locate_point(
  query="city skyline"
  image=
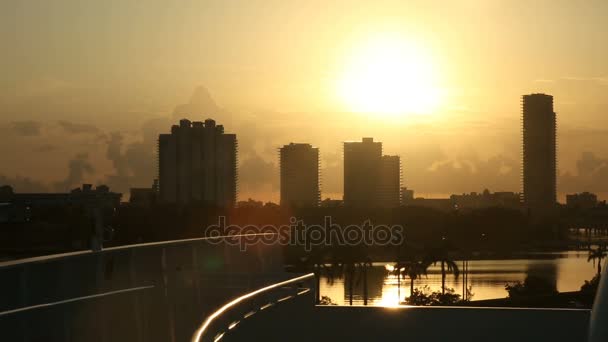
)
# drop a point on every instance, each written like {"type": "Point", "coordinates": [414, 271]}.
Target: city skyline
{"type": "Point", "coordinates": [206, 170]}
{"type": "Point", "coordinates": [92, 114]}
{"type": "Point", "coordinates": [132, 160]}
{"type": "Point", "coordinates": [538, 129]}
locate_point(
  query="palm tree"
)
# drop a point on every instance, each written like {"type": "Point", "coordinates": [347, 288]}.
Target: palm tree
{"type": "Point", "coordinates": [413, 269]}
{"type": "Point", "coordinates": [347, 259]}
{"type": "Point", "coordinates": [447, 265]}
{"type": "Point", "coordinates": [597, 254]}
{"type": "Point", "coordinates": [349, 271]}
{"type": "Point", "coordinates": [363, 267]}
{"type": "Point", "coordinates": [317, 261]}
{"type": "Point", "coordinates": [314, 262]}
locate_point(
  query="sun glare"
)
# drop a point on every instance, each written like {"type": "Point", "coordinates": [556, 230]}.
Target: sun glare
{"type": "Point", "coordinates": [390, 77]}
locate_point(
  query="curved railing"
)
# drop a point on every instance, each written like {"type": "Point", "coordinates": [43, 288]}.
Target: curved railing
{"type": "Point", "coordinates": [161, 244]}
{"type": "Point", "coordinates": [131, 292]}
{"type": "Point", "coordinates": [227, 318]}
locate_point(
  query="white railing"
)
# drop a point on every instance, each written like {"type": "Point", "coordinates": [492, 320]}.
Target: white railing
{"type": "Point", "coordinates": [230, 315]}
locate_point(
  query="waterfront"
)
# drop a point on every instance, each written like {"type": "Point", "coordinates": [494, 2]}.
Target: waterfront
{"type": "Point", "coordinates": [487, 278]}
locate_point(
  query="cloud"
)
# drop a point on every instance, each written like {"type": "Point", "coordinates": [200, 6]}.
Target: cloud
{"type": "Point", "coordinates": [200, 107]}
{"type": "Point", "coordinates": [27, 128]}
{"type": "Point", "coordinates": [591, 175]}
{"type": "Point", "coordinates": [78, 168]}
{"type": "Point", "coordinates": [23, 184]}
{"type": "Point", "coordinates": [596, 79]}
{"type": "Point", "coordinates": [431, 170]}
{"type": "Point", "coordinates": [134, 163]}
{"type": "Point", "coordinates": [76, 128]}
{"type": "Point", "coordinates": [115, 155]}
{"type": "Point", "coordinates": [121, 179]}
{"type": "Point", "coordinates": [255, 173]}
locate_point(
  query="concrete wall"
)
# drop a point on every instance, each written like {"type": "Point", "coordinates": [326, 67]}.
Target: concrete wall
{"type": "Point", "coordinates": [300, 322]}
{"type": "Point", "coordinates": [150, 292]}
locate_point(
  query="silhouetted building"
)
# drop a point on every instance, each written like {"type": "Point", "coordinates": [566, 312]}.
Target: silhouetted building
{"type": "Point", "coordinates": [144, 197]}
{"type": "Point", "coordinates": [250, 203]}
{"type": "Point", "coordinates": [6, 193]}
{"type": "Point", "coordinates": [362, 167]}
{"type": "Point", "coordinates": [299, 164]}
{"type": "Point", "coordinates": [539, 152]}
{"type": "Point", "coordinates": [486, 199]}
{"type": "Point", "coordinates": [442, 204]}
{"type": "Point", "coordinates": [198, 164]}
{"type": "Point", "coordinates": [407, 196]}
{"type": "Point", "coordinates": [584, 200]}
{"type": "Point", "coordinates": [389, 185]}
{"type": "Point", "coordinates": [94, 202]}
{"type": "Point", "coordinates": [331, 203]}
{"type": "Point", "coordinates": [85, 196]}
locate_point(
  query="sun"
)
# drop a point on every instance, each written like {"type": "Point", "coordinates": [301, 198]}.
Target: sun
{"type": "Point", "coordinates": [389, 76]}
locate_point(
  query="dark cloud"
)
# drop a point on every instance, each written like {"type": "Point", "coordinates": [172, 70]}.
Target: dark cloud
{"type": "Point", "coordinates": [121, 178]}
{"type": "Point", "coordinates": [591, 175]}
{"type": "Point", "coordinates": [23, 184]}
{"type": "Point", "coordinates": [76, 128]}
{"type": "Point", "coordinates": [27, 128]}
{"type": "Point", "coordinates": [78, 168]}
{"type": "Point", "coordinates": [115, 155]}
{"type": "Point", "coordinates": [457, 174]}
{"type": "Point", "coordinates": [255, 173]}
{"type": "Point", "coordinates": [135, 163]}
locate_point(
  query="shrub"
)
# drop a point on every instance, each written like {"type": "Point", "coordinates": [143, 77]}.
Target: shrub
{"type": "Point", "coordinates": [426, 297]}
{"type": "Point", "coordinates": [590, 286]}
{"type": "Point", "coordinates": [532, 286]}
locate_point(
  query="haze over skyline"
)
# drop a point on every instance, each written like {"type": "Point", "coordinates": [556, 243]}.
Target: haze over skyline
{"type": "Point", "coordinates": [90, 85]}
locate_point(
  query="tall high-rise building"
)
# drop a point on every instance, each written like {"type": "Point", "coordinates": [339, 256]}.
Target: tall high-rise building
{"type": "Point", "coordinates": [197, 163]}
{"type": "Point", "coordinates": [370, 179]}
{"type": "Point", "coordinates": [539, 152]}
{"type": "Point", "coordinates": [299, 175]}
{"type": "Point", "coordinates": [389, 187]}
{"type": "Point", "coordinates": [362, 161]}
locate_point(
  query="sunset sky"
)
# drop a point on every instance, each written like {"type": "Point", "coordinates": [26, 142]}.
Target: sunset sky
{"type": "Point", "coordinates": [88, 85]}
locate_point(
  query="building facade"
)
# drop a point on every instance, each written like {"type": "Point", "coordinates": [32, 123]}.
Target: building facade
{"type": "Point", "coordinates": [539, 152]}
{"type": "Point", "coordinates": [389, 187]}
{"type": "Point", "coordinates": [362, 162]}
{"type": "Point", "coordinates": [370, 179]}
{"type": "Point", "coordinates": [299, 175]}
{"type": "Point", "coordinates": [197, 163]}
{"type": "Point", "coordinates": [487, 199]}
{"type": "Point", "coordinates": [407, 196]}
{"type": "Point", "coordinates": [583, 200]}
{"type": "Point", "coordinates": [96, 203]}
